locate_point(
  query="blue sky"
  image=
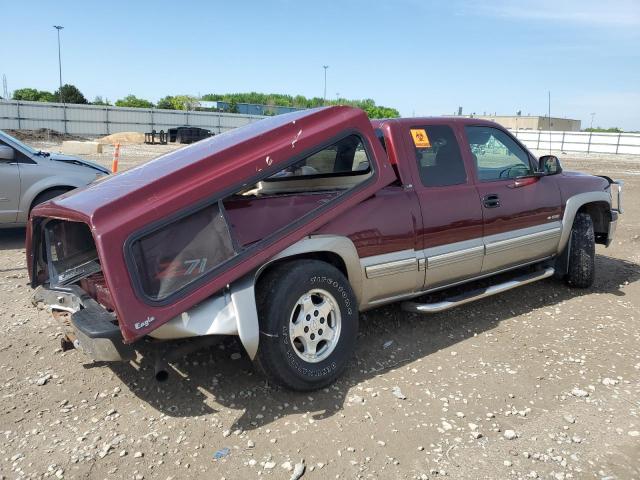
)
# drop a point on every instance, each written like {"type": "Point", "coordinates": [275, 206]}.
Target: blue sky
{"type": "Point", "coordinates": [422, 57]}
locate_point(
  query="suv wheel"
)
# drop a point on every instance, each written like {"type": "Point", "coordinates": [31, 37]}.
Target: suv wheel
{"type": "Point", "coordinates": [582, 253]}
{"type": "Point", "coordinates": [48, 195]}
{"type": "Point", "coordinates": [308, 324]}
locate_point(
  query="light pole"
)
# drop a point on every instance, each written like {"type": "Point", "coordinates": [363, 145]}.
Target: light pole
{"type": "Point", "coordinates": [58, 28]}
{"type": "Point", "coordinates": [324, 97]}
{"type": "Point", "coordinates": [593, 114]}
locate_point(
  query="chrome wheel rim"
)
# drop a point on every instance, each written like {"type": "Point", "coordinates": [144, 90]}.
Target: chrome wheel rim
{"type": "Point", "coordinates": [314, 325]}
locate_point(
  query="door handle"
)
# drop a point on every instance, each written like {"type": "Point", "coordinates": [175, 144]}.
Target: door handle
{"type": "Point", "coordinates": [491, 200]}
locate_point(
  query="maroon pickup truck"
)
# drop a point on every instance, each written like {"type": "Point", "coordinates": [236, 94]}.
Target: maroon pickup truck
{"type": "Point", "coordinates": [282, 231]}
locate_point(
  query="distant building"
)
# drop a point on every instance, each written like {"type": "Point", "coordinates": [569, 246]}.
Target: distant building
{"type": "Point", "coordinates": [520, 122]}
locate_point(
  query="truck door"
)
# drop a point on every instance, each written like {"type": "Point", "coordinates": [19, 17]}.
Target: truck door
{"type": "Point", "coordinates": [451, 235]}
{"type": "Point", "coordinates": [522, 213]}
{"type": "Point", "coordinates": [9, 186]}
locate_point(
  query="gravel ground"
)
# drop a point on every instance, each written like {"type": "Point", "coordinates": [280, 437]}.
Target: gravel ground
{"type": "Point", "coordinates": [539, 382]}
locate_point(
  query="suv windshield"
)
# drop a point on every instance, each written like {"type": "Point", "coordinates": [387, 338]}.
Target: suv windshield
{"type": "Point", "coordinates": [4, 138]}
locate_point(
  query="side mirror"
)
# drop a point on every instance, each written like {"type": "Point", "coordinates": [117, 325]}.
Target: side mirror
{"type": "Point", "coordinates": [549, 164]}
{"type": "Point", "coordinates": [6, 153]}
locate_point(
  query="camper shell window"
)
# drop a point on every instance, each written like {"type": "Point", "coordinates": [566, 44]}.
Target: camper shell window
{"type": "Point", "coordinates": [169, 258]}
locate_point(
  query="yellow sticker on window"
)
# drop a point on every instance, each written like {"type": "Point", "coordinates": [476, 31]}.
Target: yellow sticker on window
{"type": "Point", "coordinates": [420, 138]}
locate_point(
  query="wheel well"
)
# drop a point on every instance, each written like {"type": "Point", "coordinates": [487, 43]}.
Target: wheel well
{"type": "Point", "coordinates": [62, 188]}
{"type": "Point", "coordinates": [600, 213]}
{"type": "Point", "coordinates": [329, 257]}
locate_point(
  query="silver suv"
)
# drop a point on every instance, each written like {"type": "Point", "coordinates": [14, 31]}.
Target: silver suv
{"type": "Point", "coordinates": [29, 177]}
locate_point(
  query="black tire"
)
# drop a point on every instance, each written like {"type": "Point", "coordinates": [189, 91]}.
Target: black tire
{"type": "Point", "coordinates": [582, 254]}
{"type": "Point", "coordinates": [47, 195]}
{"type": "Point", "coordinates": [278, 294]}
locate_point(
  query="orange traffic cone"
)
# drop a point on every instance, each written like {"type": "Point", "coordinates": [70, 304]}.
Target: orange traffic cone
{"type": "Point", "coordinates": [116, 157]}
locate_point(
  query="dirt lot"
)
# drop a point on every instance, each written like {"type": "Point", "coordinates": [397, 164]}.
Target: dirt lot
{"type": "Point", "coordinates": [540, 382]}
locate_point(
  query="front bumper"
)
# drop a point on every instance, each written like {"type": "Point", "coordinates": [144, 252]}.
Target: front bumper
{"type": "Point", "coordinates": [615, 212]}
{"type": "Point", "coordinates": [612, 227]}
{"type": "Point", "coordinates": [91, 327]}
{"type": "Point", "coordinates": [620, 185]}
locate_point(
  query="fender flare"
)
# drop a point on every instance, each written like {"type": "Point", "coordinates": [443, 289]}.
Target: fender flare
{"type": "Point", "coordinates": [571, 209]}
{"type": "Point", "coordinates": [243, 290]}
{"type": "Point", "coordinates": [339, 245]}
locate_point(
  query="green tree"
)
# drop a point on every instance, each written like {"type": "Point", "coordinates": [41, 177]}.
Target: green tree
{"type": "Point", "coordinates": [33, 95]}
{"type": "Point", "coordinates": [47, 96]}
{"type": "Point", "coordinates": [70, 94]}
{"type": "Point", "coordinates": [133, 101]}
{"type": "Point", "coordinates": [178, 102]}
{"type": "Point", "coordinates": [99, 101]}
{"type": "Point", "coordinates": [604, 130]}
{"type": "Point", "coordinates": [27, 94]}
{"type": "Point", "coordinates": [300, 101]}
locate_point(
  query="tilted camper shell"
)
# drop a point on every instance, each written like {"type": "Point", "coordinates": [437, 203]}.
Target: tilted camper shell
{"type": "Point", "coordinates": [177, 239]}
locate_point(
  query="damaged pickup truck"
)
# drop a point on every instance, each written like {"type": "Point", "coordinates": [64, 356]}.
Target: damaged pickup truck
{"type": "Point", "coordinates": [282, 231]}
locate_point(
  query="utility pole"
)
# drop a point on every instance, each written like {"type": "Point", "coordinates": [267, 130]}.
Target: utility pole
{"type": "Point", "coordinates": [5, 89]}
{"type": "Point", "coordinates": [324, 97]}
{"type": "Point", "coordinates": [549, 122]}
{"type": "Point", "coordinates": [593, 114]}
{"type": "Point", "coordinates": [58, 28]}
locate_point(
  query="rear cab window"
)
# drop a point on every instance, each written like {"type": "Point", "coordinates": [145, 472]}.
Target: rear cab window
{"type": "Point", "coordinates": [438, 156]}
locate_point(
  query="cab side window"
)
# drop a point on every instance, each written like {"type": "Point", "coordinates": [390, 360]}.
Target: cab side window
{"type": "Point", "coordinates": [438, 155]}
{"type": "Point", "coordinates": [497, 155]}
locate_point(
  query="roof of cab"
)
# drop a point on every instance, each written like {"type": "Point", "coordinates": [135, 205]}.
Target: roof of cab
{"type": "Point", "coordinates": [444, 120]}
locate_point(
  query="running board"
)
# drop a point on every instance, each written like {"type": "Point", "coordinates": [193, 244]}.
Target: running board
{"type": "Point", "coordinates": [476, 294]}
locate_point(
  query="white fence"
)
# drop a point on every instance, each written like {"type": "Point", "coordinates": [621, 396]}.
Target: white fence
{"type": "Point", "coordinates": [587, 142]}
{"type": "Point", "coordinates": [97, 120]}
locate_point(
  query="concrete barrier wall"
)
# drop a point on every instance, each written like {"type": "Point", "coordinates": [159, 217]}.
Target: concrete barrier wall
{"type": "Point", "coordinates": [97, 120]}
{"type": "Point", "coordinates": [587, 142]}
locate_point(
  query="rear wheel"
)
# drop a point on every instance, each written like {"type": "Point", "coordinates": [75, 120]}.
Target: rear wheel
{"type": "Point", "coordinates": [582, 253]}
{"type": "Point", "coordinates": [308, 323]}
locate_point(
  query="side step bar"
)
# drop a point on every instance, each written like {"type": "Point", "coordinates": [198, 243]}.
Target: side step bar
{"type": "Point", "coordinates": [476, 294]}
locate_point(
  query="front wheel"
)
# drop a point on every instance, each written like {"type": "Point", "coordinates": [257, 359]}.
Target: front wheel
{"type": "Point", "coordinates": [308, 324]}
{"type": "Point", "coordinates": [582, 253]}
{"type": "Point", "coordinates": [47, 195]}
